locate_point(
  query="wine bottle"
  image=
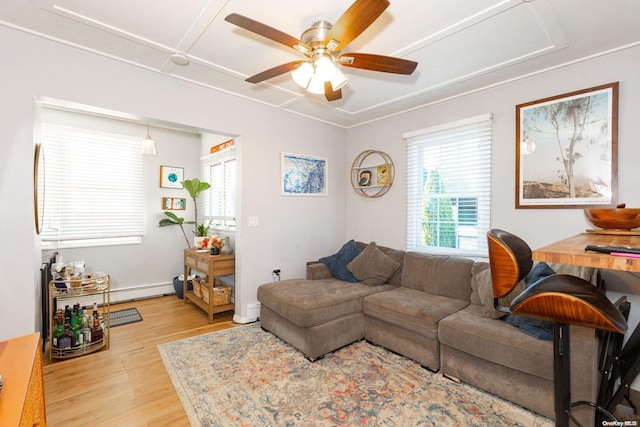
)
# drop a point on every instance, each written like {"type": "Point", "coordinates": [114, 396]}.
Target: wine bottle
{"type": "Point", "coordinates": [86, 331]}
{"type": "Point", "coordinates": [76, 327]}
{"type": "Point", "coordinates": [58, 330]}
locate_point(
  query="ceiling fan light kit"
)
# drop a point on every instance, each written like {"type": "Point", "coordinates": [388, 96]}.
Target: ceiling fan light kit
{"type": "Point", "coordinates": [322, 44]}
{"type": "Point", "coordinates": [302, 74]}
{"type": "Point", "coordinates": [312, 75]}
{"type": "Point", "coordinates": [316, 85]}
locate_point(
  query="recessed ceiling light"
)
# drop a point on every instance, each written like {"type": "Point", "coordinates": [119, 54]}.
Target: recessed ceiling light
{"type": "Point", "coordinates": [179, 58]}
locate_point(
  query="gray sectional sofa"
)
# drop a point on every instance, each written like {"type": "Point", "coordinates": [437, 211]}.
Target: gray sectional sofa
{"type": "Point", "coordinates": [436, 310]}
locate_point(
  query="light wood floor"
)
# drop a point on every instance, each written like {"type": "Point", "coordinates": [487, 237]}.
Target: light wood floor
{"type": "Point", "coordinates": [127, 384]}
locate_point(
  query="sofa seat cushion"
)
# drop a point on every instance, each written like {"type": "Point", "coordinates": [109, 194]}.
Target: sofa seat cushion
{"type": "Point", "coordinates": [309, 303]}
{"type": "Point", "coordinates": [410, 309]}
{"type": "Point", "coordinates": [496, 341]}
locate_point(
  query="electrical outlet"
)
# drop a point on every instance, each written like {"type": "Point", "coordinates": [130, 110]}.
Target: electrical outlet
{"type": "Point", "coordinates": [276, 271]}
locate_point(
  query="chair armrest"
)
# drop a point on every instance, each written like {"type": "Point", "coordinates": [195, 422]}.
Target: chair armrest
{"type": "Point", "coordinates": [317, 270]}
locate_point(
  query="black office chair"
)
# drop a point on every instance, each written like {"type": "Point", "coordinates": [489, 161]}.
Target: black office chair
{"type": "Point", "coordinates": [562, 299]}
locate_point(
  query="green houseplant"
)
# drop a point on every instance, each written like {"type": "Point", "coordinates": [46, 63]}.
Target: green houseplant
{"type": "Point", "coordinates": [202, 230]}
{"type": "Point", "coordinates": [173, 219]}
{"type": "Point", "coordinates": [194, 187]}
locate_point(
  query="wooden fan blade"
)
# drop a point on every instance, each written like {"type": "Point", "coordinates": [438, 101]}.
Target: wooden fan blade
{"type": "Point", "coordinates": [330, 94]}
{"type": "Point", "coordinates": [353, 22]}
{"type": "Point", "coordinates": [274, 72]}
{"type": "Point", "coordinates": [266, 31]}
{"type": "Point", "coordinates": [386, 64]}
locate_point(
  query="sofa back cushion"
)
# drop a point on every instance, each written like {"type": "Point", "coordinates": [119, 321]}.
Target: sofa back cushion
{"type": "Point", "coordinates": [447, 276]}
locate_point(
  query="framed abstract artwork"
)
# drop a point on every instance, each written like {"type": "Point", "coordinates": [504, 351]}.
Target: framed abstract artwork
{"type": "Point", "coordinates": [171, 177]}
{"type": "Point", "coordinates": [567, 150]}
{"type": "Point", "coordinates": [303, 175]}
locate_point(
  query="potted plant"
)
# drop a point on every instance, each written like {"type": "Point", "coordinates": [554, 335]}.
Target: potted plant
{"type": "Point", "coordinates": [201, 232]}
{"type": "Point", "coordinates": [194, 187]}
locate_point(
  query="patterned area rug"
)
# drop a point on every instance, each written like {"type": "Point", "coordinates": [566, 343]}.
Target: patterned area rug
{"type": "Point", "coordinates": [124, 317]}
{"type": "Point", "coordinates": [247, 377]}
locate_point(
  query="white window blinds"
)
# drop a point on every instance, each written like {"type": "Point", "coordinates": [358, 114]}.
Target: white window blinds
{"type": "Point", "coordinates": [449, 187]}
{"type": "Point", "coordinates": [219, 202]}
{"type": "Point", "coordinates": [94, 192]}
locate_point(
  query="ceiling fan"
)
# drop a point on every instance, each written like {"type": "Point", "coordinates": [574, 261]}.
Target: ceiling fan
{"type": "Point", "coordinates": [322, 45]}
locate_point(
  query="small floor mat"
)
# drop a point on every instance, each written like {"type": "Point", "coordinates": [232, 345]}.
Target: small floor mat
{"type": "Point", "coordinates": [124, 317]}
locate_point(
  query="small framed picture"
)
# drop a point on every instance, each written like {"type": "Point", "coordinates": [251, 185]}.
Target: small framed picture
{"type": "Point", "coordinates": [365, 178]}
{"type": "Point", "coordinates": [174, 203]}
{"type": "Point", "coordinates": [171, 177]}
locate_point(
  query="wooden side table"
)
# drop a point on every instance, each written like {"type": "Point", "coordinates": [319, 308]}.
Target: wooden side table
{"type": "Point", "coordinates": [22, 397]}
{"type": "Point", "coordinates": [212, 266]}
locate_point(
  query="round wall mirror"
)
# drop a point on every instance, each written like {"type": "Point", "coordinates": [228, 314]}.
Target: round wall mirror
{"type": "Point", "coordinates": [38, 187]}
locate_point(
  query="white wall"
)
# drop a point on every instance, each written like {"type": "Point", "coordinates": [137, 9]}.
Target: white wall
{"type": "Point", "coordinates": [290, 232]}
{"type": "Point", "coordinates": [383, 219]}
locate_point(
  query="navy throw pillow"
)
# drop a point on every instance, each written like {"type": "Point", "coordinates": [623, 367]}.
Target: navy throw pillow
{"type": "Point", "coordinates": [541, 329]}
{"type": "Point", "coordinates": [541, 270]}
{"type": "Point", "coordinates": [337, 263]}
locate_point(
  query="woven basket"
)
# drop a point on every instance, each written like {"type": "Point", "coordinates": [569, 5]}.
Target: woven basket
{"type": "Point", "coordinates": [221, 295]}
{"type": "Point", "coordinates": [197, 287]}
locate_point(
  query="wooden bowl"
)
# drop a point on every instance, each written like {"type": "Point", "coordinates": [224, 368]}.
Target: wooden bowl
{"type": "Point", "coordinates": [614, 218]}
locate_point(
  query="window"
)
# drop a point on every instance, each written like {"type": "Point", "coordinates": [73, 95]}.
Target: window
{"type": "Point", "coordinates": [219, 202]}
{"type": "Point", "coordinates": [94, 193]}
{"type": "Point", "coordinates": [448, 187]}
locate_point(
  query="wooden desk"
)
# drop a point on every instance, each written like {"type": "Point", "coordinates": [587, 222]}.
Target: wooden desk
{"type": "Point", "coordinates": [22, 397]}
{"type": "Point", "coordinates": [212, 266]}
{"type": "Point", "coordinates": [571, 251]}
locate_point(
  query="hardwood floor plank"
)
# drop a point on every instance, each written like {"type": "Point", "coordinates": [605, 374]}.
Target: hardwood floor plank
{"type": "Point", "coordinates": [127, 384]}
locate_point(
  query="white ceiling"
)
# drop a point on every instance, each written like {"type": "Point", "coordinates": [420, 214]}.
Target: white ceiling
{"type": "Point", "coordinates": [460, 45]}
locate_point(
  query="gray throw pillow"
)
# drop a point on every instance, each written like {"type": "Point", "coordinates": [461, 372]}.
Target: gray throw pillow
{"type": "Point", "coordinates": [485, 291]}
{"type": "Point", "coordinates": [373, 267]}
{"type": "Point", "coordinates": [482, 282]}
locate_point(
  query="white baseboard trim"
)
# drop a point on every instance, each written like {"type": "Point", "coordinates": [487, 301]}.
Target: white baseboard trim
{"type": "Point", "coordinates": [141, 292]}
{"type": "Point", "coordinates": [125, 294]}
{"type": "Point", "coordinates": [253, 314]}
{"type": "Point", "coordinates": [243, 319]}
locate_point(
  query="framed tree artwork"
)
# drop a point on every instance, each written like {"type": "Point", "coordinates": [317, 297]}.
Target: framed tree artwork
{"type": "Point", "coordinates": [567, 150]}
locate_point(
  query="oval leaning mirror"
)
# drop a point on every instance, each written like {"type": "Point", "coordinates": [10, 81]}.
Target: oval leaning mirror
{"type": "Point", "coordinates": [38, 187]}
